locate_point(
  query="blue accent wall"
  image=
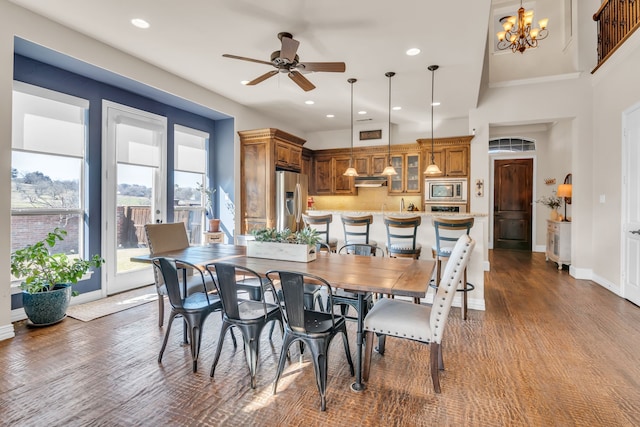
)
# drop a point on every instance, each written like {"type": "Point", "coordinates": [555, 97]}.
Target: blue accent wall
{"type": "Point", "coordinates": [221, 162]}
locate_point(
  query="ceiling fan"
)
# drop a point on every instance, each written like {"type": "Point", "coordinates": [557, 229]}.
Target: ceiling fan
{"type": "Point", "coordinates": [287, 61]}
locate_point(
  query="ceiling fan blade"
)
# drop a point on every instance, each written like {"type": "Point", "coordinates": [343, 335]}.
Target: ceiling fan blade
{"type": "Point", "coordinates": [301, 81]}
{"type": "Point", "coordinates": [262, 78]}
{"type": "Point", "coordinates": [333, 67]}
{"type": "Point", "coordinates": [289, 48]}
{"type": "Point", "coordinates": [242, 58]}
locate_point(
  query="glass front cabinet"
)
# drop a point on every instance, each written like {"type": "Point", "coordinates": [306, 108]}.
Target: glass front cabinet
{"type": "Point", "coordinates": [409, 171]}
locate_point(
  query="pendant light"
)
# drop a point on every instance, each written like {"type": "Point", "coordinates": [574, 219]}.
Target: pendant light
{"type": "Point", "coordinates": [389, 170]}
{"type": "Point", "coordinates": [351, 171]}
{"type": "Point", "coordinates": [432, 169]}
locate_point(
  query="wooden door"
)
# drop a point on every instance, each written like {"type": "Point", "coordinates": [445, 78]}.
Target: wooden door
{"type": "Point", "coordinates": [513, 197]}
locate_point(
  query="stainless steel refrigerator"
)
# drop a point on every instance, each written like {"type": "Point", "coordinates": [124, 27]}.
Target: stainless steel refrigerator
{"type": "Point", "coordinates": [292, 189]}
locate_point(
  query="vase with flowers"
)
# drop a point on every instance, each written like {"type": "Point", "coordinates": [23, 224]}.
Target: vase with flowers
{"type": "Point", "coordinates": [553, 202]}
{"type": "Point", "coordinates": [207, 193]}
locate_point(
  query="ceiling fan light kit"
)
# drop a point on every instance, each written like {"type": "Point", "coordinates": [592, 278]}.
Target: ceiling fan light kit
{"type": "Point", "coordinates": [518, 34]}
{"type": "Point", "coordinates": [389, 170]}
{"type": "Point", "coordinates": [351, 171]}
{"type": "Point", "coordinates": [432, 169]}
{"type": "Point", "coordinates": [287, 61]}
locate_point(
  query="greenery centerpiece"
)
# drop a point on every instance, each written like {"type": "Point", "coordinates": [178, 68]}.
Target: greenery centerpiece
{"type": "Point", "coordinates": [47, 277]}
{"type": "Point", "coordinates": [284, 245]}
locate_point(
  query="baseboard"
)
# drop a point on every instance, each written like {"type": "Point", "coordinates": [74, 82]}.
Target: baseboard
{"type": "Point", "coordinates": [540, 248]}
{"type": "Point", "coordinates": [7, 332]}
{"type": "Point", "coordinates": [613, 287]}
{"type": "Point", "coordinates": [581, 273]}
{"type": "Point", "coordinates": [18, 314]}
{"type": "Point", "coordinates": [486, 265]}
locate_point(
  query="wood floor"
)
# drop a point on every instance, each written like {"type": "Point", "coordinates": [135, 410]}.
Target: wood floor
{"type": "Point", "coordinates": [548, 350]}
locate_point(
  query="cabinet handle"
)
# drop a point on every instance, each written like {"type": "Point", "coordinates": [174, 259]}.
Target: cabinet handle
{"type": "Point", "coordinates": [635, 232]}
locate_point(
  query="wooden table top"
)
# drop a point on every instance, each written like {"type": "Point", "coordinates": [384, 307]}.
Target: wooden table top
{"type": "Point", "coordinates": [397, 276]}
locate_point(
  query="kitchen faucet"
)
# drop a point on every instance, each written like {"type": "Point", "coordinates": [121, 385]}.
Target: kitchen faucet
{"type": "Point", "coordinates": [401, 204]}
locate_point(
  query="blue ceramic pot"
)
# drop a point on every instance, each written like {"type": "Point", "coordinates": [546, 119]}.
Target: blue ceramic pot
{"type": "Point", "coordinates": [46, 308]}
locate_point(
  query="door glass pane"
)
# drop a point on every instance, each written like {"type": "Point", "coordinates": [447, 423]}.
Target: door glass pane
{"type": "Point", "coordinates": [188, 204]}
{"type": "Point", "coordinates": [133, 211]}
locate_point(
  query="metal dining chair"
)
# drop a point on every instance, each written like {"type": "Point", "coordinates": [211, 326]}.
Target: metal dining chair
{"type": "Point", "coordinates": [248, 315]}
{"type": "Point", "coordinates": [193, 308]}
{"type": "Point", "coordinates": [401, 236]}
{"type": "Point", "coordinates": [315, 329]}
{"type": "Point", "coordinates": [417, 322]}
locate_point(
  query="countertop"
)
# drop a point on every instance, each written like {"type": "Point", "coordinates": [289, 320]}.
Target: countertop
{"type": "Point", "coordinates": [397, 213]}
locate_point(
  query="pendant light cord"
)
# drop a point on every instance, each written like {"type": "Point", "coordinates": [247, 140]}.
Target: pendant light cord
{"type": "Point", "coordinates": [432, 68]}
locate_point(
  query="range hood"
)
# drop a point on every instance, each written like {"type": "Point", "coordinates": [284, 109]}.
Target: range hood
{"type": "Point", "coordinates": [370, 181]}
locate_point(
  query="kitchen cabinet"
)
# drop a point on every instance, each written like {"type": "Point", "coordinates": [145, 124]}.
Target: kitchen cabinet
{"type": "Point", "coordinates": [328, 176]}
{"type": "Point", "coordinates": [378, 163]}
{"type": "Point", "coordinates": [262, 152]}
{"type": "Point", "coordinates": [361, 164]}
{"type": "Point", "coordinates": [558, 242]}
{"type": "Point", "coordinates": [288, 156]}
{"type": "Point", "coordinates": [450, 154]}
{"type": "Point", "coordinates": [322, 175]}
{"type": "Point", "coordinates": [409, 177]}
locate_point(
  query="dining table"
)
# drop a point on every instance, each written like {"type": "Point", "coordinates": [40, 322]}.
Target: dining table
{"type": "Point", "coordinates": [358, 274]}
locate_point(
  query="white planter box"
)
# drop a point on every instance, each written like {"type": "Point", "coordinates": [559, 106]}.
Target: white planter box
{"type": "Point", "coordinates": [281, 251]}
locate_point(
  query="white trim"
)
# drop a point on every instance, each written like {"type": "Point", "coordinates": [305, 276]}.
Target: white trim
{"type": "Point", "coordinates": [50, 94]}
{"type": "Point", "coordinates": [7, 332]}
{"type": "Point", "coordinates": [536, 80]}
{"type": "Point", "coordinates": [607, 285]}
{"type": "Point", "coordinates": [191, 131]}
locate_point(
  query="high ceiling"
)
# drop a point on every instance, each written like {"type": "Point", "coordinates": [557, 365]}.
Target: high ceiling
{"type": "Point", "coordinates": [188, 38]}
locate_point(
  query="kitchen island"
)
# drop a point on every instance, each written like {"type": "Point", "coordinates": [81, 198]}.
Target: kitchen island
{"type": "Point", "coordinates": [478, 264]}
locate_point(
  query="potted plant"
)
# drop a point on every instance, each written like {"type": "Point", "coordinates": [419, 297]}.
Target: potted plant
{"type": "Point", "coordinates": [284, 245]}
{"type": "Point", "coordinates": [47, 278]}
{"type": "Point", "coordinates": [214, 223]}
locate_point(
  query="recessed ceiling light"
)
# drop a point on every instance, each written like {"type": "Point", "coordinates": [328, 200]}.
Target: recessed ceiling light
{"type": "Point", "coordinates": [397, 108]}
{"type": "Point", "coordinates": [140, 23]}
{"type": "Point", "coordinates": [435, 104]}
{"type": "Point", "coordinates": [413, 51]}
{"type": "Point", "coordinates": [244, 82]}
{"type": "Point", "coordinates": [330, 116]}
{"type": "Point", "coordinates": [362, 113]}
{"type": "Point", "coordinates": [309, 102]}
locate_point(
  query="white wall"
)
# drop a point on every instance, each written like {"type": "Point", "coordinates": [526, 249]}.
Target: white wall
{"type": "Point", "coordinates": [24, 24]}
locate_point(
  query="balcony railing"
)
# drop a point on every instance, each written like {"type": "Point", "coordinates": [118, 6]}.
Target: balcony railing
{"type": "Point", "coordinates": [617, 20]}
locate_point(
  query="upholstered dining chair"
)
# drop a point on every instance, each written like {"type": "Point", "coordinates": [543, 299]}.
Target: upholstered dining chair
{"type": "Point", "coordinates": [194, 308]}
{"type": "Point", "coordinates": [447, 231]}
{"type": "Point", "coordinates": [166, 237]}
{"type": "Point", "coordinates": [356, 229]}
{"type": "Point", "coordinates": [248, 315]}
{"type": "Point", "coordinates": [322, 223]}
{"type": "Point", "coordinates": [417, 322]}
{"type": "Point", "coordinates": [402, 233]}
{"type": "Point", "coordinates": [315, 329]}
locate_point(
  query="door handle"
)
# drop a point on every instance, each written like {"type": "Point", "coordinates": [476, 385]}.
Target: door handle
{"type": "Point", "coordinates": [635, 232]}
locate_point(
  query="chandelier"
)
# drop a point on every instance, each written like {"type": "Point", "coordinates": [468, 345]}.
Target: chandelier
{"type": "Point", "coordinates": [518, 33]}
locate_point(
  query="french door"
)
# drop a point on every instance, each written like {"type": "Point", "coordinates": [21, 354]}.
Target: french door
{"type": "Point", "coordinates": [133, 191]}
{"type": "Point", "coordinates": [631, 206]}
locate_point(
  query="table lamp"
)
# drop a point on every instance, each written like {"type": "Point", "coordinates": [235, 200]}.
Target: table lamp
{"type": "Point", "coordinates": [564, 191]}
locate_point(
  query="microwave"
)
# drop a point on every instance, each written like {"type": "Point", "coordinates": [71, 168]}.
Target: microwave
{"type": "Point", "coordinates": [445, 190]}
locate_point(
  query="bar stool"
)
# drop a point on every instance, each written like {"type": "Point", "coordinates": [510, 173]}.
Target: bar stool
{"type": "Point", "coordinates": [356, 229]}
{"type": "Point", "coordinates": [401, 238]}
{"type": "Point", "coordinates": [448, 230]}
{"type": "Point", "coordinates": [321, 225]}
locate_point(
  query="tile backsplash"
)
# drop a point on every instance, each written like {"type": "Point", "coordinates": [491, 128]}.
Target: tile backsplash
{"type": "Point", "coordinates": [368, 199]}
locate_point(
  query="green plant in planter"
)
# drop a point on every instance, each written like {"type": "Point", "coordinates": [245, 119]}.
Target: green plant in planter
{"type": "Point", "coordinates": [41, 270]}
{"type": "Point", "coordinates": [306, 236]}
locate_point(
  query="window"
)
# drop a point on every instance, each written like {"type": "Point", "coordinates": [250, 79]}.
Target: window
{"type": "Point", "coordinates": [47, 166]}
{"type": "Point", "coordinates": [511, 145]}
{"type": "Point", "coordinates": [190, 172]}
